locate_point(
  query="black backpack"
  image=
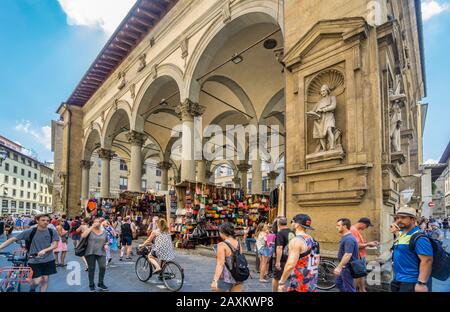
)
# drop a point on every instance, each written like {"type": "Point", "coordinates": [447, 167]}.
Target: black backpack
{"type": "Point", "coordinates": [66, 225]}
{"type": "Point", "coordinates": [441, 258]}
{"type": "Point", "coordinates": [240, 270]}
{"type": "Point", "coordinates": [29, 241]}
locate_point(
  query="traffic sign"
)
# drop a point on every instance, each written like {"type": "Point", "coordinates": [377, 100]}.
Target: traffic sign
{"type": "Point", "coordinates": [431, 204]}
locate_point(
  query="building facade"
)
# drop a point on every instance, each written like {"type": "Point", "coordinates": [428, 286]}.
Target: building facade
{"type": "Point", "coordinates": [25, 182]}
{"type": "Point", "coordinates": [356, 65]}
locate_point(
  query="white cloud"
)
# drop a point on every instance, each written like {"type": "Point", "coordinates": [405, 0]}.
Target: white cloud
{"type": "Point", "coordinates": [431, 162]}
{"type": "Point", "coordinates": [432, 8]}
{"type": "Point", "coordinates": [42, 135]}
{"type": "Point", "coordinates": [104, 14]}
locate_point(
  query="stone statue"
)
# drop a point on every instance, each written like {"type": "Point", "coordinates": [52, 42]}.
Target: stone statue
{"type": "Point", "coordinates": [395, 125]}
{"type": "Point", "coordinates": [324, 121]}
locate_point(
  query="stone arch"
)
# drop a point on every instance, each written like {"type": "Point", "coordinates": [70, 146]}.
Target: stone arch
{"type": "Point", "coordinates": [273, 102]}
{"type": "Point", "coordinates": [257, 11]}
{"type": "Point", "coordinates": [118, 118]}
{"type": "Point", "coordinates": [217, 163]}
{"type": "Point", "coordinates": [165, 73]}
{"type": "Point", "coordinates": [92, 141]}
{"type": "Point", "coordinates": [237, 90]}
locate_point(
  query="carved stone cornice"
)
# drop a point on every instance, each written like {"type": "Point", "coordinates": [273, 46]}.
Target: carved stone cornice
{"type": "Point", "coordinates": [86, 164]}
{"type": "Point", "coordinates": [189, 110]}
{"type": "Point", "coordinates": [164, 165]}
{"type": "Point", "coordinates": [136, 138]}
{"type": "Point", "coordinates": [104, 153]}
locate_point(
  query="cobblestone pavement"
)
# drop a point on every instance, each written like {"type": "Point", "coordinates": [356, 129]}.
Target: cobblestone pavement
{"type": "Point", "coordinates": [121, 277]}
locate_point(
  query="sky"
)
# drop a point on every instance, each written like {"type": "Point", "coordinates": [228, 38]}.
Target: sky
{"type": "Point", "coordinates": [46, 46]}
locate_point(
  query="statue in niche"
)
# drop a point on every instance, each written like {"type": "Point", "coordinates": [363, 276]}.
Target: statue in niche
{"type": "Point", "coordinates": [325, 131]}
{"type": "Point", "coordinates": [395, 125]}
{"type": "Point", "coordinates": [397, 98]}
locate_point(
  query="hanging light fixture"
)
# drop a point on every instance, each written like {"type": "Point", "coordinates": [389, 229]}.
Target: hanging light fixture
{"type": "Point", "coordinates": [237, 58]}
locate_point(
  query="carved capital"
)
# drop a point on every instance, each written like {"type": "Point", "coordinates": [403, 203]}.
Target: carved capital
{"type": "Point", "coordinates": [237, 180]}
{"type": "Point", "coordinates": [86, 164]}
{"type": "Point", "coordinates": [122, 81]}
{"type": "Point", "coordinates": [189, 110]}
{"type": "Point", "coordinates": [273, 175]}
{"type": "Point", "coordinates": [142, 62]}
{"type": "Point", "coordinates": [104, 153]}
{"type": "Point", "coordinates": [164, 165]}
{"type": "Point", "coordinates": [136, 138]}
{"type": "Point", "coordinates": [208, 174]}
{"type": "Point", "coordinates": [243, 167]}
{"type": "Point", "coordinates": [184, 45]}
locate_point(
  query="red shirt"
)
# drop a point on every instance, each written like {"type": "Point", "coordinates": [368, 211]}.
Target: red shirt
{"type": "Point", "coordinates": [360, 240]}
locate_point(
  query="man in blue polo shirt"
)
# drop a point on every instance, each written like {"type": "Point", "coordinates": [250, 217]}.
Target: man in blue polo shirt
{"type": "Point", "coordinates": [412, 269]}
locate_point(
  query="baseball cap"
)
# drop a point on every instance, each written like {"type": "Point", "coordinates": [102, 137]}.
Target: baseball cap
{"type": "Point", "coordinates": [407, 211]}
{"type": "Point", "coordinates": [366, 221]}
{"type": "Point", "coordinates": [303, 220]}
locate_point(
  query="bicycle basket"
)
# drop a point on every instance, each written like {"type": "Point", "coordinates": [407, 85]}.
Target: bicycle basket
{"type": "Point", "coordinates": [143, 251]}
{"type": "Point", "coordinates": [22, 275]}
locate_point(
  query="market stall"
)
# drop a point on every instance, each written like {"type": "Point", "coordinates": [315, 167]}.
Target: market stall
{"type": "Point", "coordinates": [203, 207]}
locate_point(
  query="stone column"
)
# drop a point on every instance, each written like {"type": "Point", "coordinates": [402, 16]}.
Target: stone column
{"type": "Point", "coordinates": [256, 176]}
{"type": "Point", "coordinates": [272, 179]}
{"type": "Point", "coordinates": [209, 177]}
{"type": "Point", "coordinates": [85, 167]}
{"type": "Point", "coordinates": [136, 140]}
{"type": "Point", "coordinates": [243, 169]}
{"type": "Point", "coordinates": [186, 112]}
{"type": "Point", "coordinates": [237, 182]}
{"type": "Point", "coordinates": [164, 166]}
{"type": "Point", "coordinates": [105, 155]}
{"type": "Point", "coordinates": [201, 171]}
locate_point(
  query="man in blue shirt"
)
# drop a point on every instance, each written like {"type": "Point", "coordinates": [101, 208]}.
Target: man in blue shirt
{"type": "Point", "coordinates": [412, 269]}
{"type": "Point", "coordinates": [348, 252]}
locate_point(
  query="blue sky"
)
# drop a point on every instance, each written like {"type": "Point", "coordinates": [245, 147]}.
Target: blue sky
{"type": "Point", "coordinates": [47, 45]}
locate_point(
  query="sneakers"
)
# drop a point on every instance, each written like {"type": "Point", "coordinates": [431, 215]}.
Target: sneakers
{"type": "Point", "coordinates": [120, 259]}
{"type": "Point", "coordinates": [92, 288]}
{"type": "Point", "coordinates": [129, 258]}
{"type": "Point", "coordinates": [102, 287]}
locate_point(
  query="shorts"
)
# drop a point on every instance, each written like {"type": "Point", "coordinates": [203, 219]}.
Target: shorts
{"type": "Point", "coordinates": [264, 252]}
{"type": "Point", "coordinates": [126, 240]}
{"type": "Point", "coordinates": [43, 269]}
{"type": "Point", "coordinates": [277, 274]}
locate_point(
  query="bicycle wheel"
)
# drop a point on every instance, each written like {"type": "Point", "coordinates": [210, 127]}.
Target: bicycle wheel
{"type": "Point", "coordinates": [143, 268]}
{"type": "Point", "coordinates": [326, 279]}
{"type": "Point", "coordinates": [173, 276]}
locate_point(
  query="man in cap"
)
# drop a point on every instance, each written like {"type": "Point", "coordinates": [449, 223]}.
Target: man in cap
{"type": "Point", "coordinates": [348, 252]}
{"type": "Point", "coordinates": [412, 268]}
{"type": "Point", "coordinates": [303, 258]}
{"type": "Point", "coordinates": [356, 229]}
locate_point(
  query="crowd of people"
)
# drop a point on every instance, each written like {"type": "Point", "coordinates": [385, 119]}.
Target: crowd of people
{"type": "Point", "coordinates": [287, 253]}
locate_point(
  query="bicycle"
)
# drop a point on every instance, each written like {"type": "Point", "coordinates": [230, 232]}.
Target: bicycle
{"type": "Point", "coordinates": [12, 278]}
{"type": "Point", "coordinates": [326, 279]}
{"type": "Point", "coordinates": [172, 274]}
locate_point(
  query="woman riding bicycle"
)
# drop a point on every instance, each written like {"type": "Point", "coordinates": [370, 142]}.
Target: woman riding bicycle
{"type": "Point", "coordinates": [162, 247]}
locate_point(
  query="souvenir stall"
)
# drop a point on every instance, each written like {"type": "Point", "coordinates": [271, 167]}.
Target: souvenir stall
{"type": "Point", "coordinates": [203, 207]}
{"type": "Point", "coordinates": [141, 207]}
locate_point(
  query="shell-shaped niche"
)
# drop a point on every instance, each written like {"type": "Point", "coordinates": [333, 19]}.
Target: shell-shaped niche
{"type": "Point", "coordinates": [332, 77]}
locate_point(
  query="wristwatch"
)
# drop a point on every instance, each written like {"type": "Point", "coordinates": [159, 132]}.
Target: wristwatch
{"type": "Point", "coordinates": [421, 283]}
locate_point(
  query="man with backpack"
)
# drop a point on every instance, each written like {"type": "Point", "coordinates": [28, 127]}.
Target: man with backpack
{"type": "Point", "coordinates": [40, 242]}
{"type": "Point", "coordinates": [412, 266]}
{"type": "Point", "coordinates": [302, 266]}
